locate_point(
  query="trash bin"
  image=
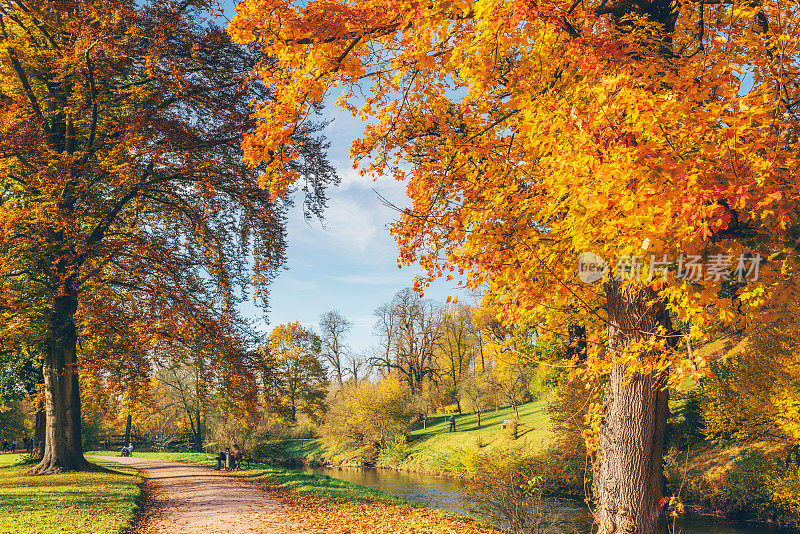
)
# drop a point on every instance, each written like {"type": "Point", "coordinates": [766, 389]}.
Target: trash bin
{"type": "Point", "coordinates": [228, 461]}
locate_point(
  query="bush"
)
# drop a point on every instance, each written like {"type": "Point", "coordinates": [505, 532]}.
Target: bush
{"type": "Point", "coordinates": [512, 427]}
{"type": "Point", "coordinates": [368, 414]}
{"type": "Point", "coordinates": [396, 449]}
{"type": "Point", "coordinates": [508, 492]}
{"type": "Point", "coordinates": [253, 437]}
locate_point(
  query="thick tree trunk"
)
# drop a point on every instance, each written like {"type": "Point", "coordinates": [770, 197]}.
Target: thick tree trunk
{"type": "Point", "coordinates": [627, 483]}
{"type": "Point", "coordinates": [63, 450]}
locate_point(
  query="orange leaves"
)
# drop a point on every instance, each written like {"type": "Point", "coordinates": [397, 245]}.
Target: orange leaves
{"type": "Point", "coordinates": [528, 134]}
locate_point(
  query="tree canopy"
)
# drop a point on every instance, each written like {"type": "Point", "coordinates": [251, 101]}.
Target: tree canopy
{"type": "Point", "coordinates": [661, 136]}
{"type": "Point", "coordinates": [124, 190]}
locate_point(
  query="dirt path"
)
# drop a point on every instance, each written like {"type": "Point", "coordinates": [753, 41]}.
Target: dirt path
{"type": "Point", "coordinates": [185, 499]}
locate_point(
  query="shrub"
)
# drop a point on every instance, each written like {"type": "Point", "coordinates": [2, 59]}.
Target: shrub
{"type": "Point", "coordinates": [508, 492]}
{"type": "Point", "coordinates": [368, 415]}
{"type": "Point", "coordinates": [396, 449]}
{"type": "Point", "coordinates": [512, 426]}
{"type": "Point", "coordinates": [253, 437]}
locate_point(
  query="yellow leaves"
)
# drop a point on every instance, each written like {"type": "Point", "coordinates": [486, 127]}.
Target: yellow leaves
{"type": "Point", "coordinates": [525, 147]}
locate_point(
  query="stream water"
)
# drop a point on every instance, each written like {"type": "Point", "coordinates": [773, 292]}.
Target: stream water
{"type": "Point", "coordinates": [444, 493]}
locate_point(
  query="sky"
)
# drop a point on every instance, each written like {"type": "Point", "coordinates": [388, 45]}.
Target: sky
{"type": "Point", "coordinates": [348, 261]}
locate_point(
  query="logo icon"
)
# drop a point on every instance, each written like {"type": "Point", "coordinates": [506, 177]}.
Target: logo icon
{"type": "Point", "coordinates": [591, 267]}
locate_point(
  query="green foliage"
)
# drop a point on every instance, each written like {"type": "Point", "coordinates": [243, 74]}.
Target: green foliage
{"type": "Point", "coordinates": [396, 449]}
{"type": "Point", "coordinates": [12, 421]}
{"type": "Point", "coordinates": [87, 502]}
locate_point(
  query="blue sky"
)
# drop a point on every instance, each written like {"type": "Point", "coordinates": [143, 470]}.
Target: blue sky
{"type": "Point", "coordinates": [347, 262]}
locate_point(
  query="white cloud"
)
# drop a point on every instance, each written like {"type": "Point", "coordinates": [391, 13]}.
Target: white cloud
{"type": "Point", "coordinates": [378, 279]}
{"type": "Point", "coordinates": [300, 285]}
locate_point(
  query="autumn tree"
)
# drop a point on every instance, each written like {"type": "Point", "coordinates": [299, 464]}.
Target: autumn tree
{"type": "Point", "coordinates": [121, 162]}
{"type": "Point", "coordinates": [531, 132]}
{"type": "Point", "coordinates": [408, 329]}
{"type": "Point", "coordinates": [300, 380]}
{"type": "Point", "coordinates": [334, 327]}
{"type": "Point", "coordinates": [473, 393]}
{"type": "Point", "coordinates": [158, 415]}
{"type": "Point", "coordinates": [357, 365]}
{"type": "Point", "coordinates": [368, 415]}
{"type": "Point", "coordinates": [455, 349]}
{"type": "Point", "coordinates": [754, 393]}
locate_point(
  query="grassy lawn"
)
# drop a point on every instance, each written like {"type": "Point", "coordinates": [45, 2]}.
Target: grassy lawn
{"type": "Point", "coordinates": [9, 459]}
{"type": "Point", "coordinates": [435, 449]}
{"type": "Point", "coordinates": [86, 503]}
{"type": "Point", "coordinates": [320, 487]}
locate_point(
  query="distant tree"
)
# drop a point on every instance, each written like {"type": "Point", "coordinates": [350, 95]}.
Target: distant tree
{"type": "Point", "coordinates": [357, 366]}
{"type": "Point", "coordinates": [369, 414]}
{"type": "Point", "coordinates": [456, 348]}
{"type": "Point", "coordinates": [159, 416]}
{"type": "Point", "coordinates": [474, 394]}
{"type": "Point", "coordinates": [334, 327]}
{"type": "Point", "coordinates": [408, 329]}
{"type": "Point", "coordinates": [300, 380]}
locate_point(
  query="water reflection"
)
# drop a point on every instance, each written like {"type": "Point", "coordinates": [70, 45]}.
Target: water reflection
{"type": "Point", "coordinates": [443, 493]}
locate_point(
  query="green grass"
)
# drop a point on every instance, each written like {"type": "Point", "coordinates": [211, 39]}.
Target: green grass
{"type": "Point", "coordinates": [88, 503]}
{"type": "Point", "coordinates": [435, 449]}
{"type": "Point", "coordinates": [7, 460]}
{"type": "Point", "coordinates": [320, 486]}
{"type": "Point", "coordinates": [298, 448]}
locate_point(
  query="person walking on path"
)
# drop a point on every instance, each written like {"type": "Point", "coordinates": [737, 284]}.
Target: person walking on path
{"type": "Point", "coordinates": [452, 424]}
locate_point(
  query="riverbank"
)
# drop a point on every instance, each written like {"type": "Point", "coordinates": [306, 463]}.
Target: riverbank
{"type": "Point", "coordinates": [86, 502]}
{"type": "Point", "coordinates": [324, 503]}
{"type": "Point", "coordinates": [431, 448]}
{"type": "Point", "coordinates": [749, 483]}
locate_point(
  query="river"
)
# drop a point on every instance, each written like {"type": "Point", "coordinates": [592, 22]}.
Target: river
{"type": "Point", "coordinates": [443, 493]}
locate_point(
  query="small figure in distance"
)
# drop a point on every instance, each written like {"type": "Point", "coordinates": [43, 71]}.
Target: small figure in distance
{"type": "Point", "coordinates": [29, 448]}
{"type": "Point", "coordinates": [237, 453]}
{"type": "Point", "coordinates": [5, 446]}
{"type": "Point", "coordinates": [14, 446]}
{"type": "Point", "coordinates": [221, 457]}
{"type": "Point", "coordinates": [127, 451]}
{"type": "Point", "coordinates": [452, 424]}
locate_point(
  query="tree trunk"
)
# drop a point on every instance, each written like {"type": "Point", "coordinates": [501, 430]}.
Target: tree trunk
{"type": "Point", "coordinates": [627, 483]}
{"type": "Point", "coordinates": [39, 427]}
{"type": "Point", "coordinates": [62, 448]}
{"type": "Point", "coordinates": [128, 421]}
